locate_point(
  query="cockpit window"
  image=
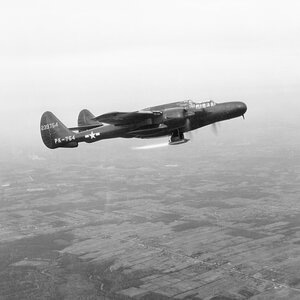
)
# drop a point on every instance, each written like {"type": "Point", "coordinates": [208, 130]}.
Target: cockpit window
{"type": "Point", "coordinates": [201, 105]}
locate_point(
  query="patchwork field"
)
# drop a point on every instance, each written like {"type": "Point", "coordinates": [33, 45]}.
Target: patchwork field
{"type": "Point", "coordinates": [221, 226]}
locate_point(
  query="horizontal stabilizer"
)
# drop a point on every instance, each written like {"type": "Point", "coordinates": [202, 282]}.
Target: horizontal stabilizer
{"type": "Point", "coordinates": [85, 127]}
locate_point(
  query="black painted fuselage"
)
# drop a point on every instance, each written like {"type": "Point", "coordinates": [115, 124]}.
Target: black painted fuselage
{"type": "Point", "coordinates": [173, 119]}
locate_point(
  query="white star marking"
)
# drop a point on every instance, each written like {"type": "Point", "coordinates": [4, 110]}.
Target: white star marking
{"type": "Point", "coordinates": [92, 135]}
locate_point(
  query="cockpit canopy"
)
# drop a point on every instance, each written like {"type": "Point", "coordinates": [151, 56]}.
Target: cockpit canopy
{"type": "Point", "coordinates": [192, 104]}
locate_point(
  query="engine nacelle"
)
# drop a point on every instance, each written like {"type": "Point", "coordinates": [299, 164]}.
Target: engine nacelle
{"type": "Point", "coordinates": [174, 117]}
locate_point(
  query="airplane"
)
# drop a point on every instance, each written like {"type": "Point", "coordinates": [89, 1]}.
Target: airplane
{"type": "Point", "coordinates": [172, 119]}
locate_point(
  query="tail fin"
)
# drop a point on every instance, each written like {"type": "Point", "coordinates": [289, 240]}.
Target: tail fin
{"type": "Point", "coordinates": [55, 134]}
{"type": "Point", "coordinates": [86, 118]}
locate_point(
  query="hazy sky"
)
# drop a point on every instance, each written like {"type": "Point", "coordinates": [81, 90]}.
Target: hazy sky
{"type": "Point", "coordinates": [125, 55]}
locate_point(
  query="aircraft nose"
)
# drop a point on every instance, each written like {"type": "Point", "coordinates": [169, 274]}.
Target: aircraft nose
{"type": "Point", "coordinates": [236, 109]}
{"type": "Point", "coordinates": [242, 107]}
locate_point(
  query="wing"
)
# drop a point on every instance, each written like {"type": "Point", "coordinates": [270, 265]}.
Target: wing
{"type": "Point", "coordinates": [127, 118]}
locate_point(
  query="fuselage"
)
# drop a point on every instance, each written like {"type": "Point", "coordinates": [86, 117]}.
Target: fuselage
{"type": "Point", "coordinates": [200, 115]}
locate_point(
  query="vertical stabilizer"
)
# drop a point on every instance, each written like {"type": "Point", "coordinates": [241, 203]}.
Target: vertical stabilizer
{"type": "Point", "coordinates": [55, 134]}
{"type": "Point", "coordinates": [85, 118]}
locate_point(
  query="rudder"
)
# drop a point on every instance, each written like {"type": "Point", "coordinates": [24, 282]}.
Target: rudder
{"type": "Point", "coordinates": [55, 134]}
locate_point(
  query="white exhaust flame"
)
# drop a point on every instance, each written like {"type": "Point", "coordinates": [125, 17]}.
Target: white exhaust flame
{"type": "Point", "coordinates": [151, 146]}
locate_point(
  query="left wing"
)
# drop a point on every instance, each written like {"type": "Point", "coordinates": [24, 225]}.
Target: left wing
{"type": "Point", "coordinates": [127, 118]}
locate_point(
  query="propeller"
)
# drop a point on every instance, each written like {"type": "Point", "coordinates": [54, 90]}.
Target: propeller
{"type": "Point", "coordinates": [215, 129]}
{"type": "Point", "coordinates": [187, 126]}
{"type": "Point", "coordinates": [188, 129]}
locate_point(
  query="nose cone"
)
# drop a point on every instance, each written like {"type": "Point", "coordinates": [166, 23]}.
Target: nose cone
{"type": "Point", "coordinates": [241, 107]}
{"type": "Point", "coordinates": [234, 109]}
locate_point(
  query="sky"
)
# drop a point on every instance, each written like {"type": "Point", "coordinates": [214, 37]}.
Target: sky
{"type": "Point", "coordinates": [123, 55]}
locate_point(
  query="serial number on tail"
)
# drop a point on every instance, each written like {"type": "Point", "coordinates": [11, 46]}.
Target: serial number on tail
{"type": "Point", "coordinates": [49, 126]}
{"type": "Point", "coordinates": [65, 139]}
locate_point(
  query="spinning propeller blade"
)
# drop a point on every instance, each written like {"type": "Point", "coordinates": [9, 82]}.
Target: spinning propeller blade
{"type": "Point", "coordinates": [188, 129]}
{"type": "Point", "coordinates": [215, 128]}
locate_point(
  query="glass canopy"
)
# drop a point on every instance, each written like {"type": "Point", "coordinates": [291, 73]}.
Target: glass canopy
{"type": "Point", "coordinates": [192, 104]}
